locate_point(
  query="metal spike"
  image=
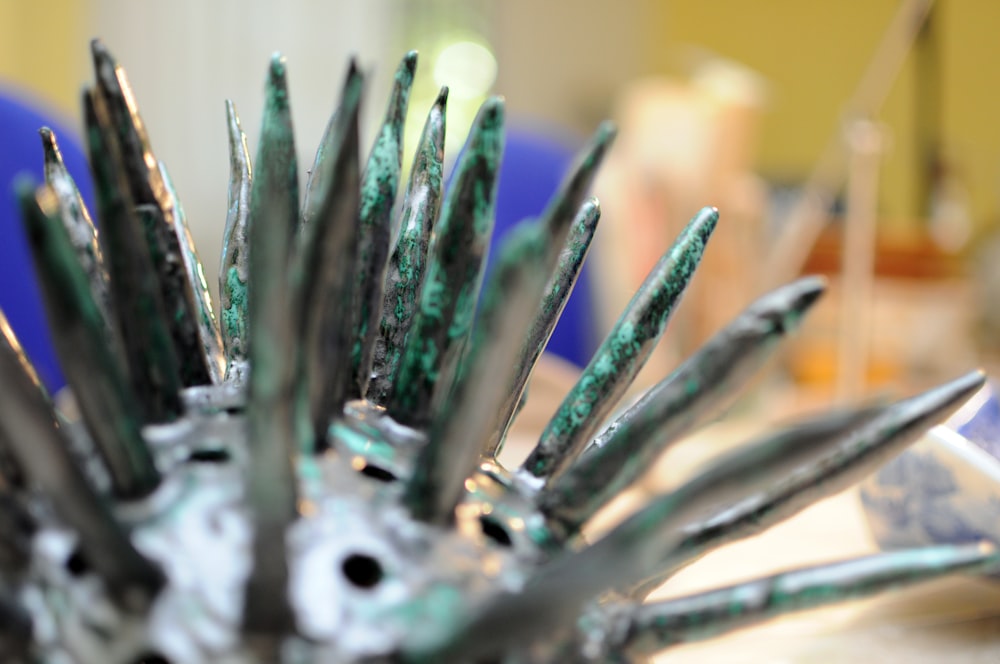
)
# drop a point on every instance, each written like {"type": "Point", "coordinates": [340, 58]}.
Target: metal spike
{"type": "Point", "coordinates": [557, 292]}
{"type": "Point", "coordinates": [318, 180]}
{"type": "Point", "coordinates": [563, 211]}
{"type": "Point", "coordinates": [872, 443]}
{"type": "Point", "coordinates": [628, 553]}
{"type": "Point", "coordinates": [623, 352]}
{"type": "Point", "coordinates": [323, 267]}
{"type": "Point", "coordinates": [696, 391]}
{"type": "Point", "coordinates": [16, 629]}
{"type": "Point", "coordinates": [457, 433]}
{"type": "Point", "coordinates": [155, 203]}
{"type": "Point", "coordinates": [208, 327]}
{"type": "Point", "coordinates": [654, 627]}
{"type": "Point", "coordinates": [142, 323]}
{"type": "Point", "coordinates": [76, 219]}
{"type": "Point", "coordinates": [378, 193]}
{"type": "Point", "coordinates": [276, 421]}
{"type": "Point", "coordinates": [234, 269]}
{"type": "Point", "coordinates": [441, 328]}
{"type": "Point", "coordinates": [29, 424]}
{"type": "Point", "coordinates": [407, 264]}
{"type": "Point", "coordinates": [99, 387]}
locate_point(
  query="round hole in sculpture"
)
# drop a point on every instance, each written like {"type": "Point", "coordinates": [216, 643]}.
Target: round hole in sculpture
{"type": "Point", "coordinates": [378, 472]}
{"type": "Point", "coordinates": [495, 531]}
{"type": "Point", "coordinates": [362, 570]}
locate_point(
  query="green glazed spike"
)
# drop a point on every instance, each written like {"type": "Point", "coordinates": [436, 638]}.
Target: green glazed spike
{"type": "Point", "coordinates": [459, 432]}
{"type": "Point", "coordinates": [407, 264]}
{"type": "Point", "coordinates": [276, 429]}
{"type": "Point", "coordinates": [696, 391]}
{"type": "Point", "coordinates": [870, 444]}
{"type": "Point", "coordinates": [654, 627]}
{"type": "Point", "coordinates": [441, 328]}
{"type": "Point", "coordinates": [234, 271]}
{"type": "Point", "coordinates": [378, 194]}
{"type": "Point", "coordinates": [557, 291]}
{"type": "Point", "coordinates": [623, 353]}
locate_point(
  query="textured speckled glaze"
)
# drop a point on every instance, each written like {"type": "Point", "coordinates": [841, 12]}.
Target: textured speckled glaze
{"type": "Point", "coordinates": [271, 512]}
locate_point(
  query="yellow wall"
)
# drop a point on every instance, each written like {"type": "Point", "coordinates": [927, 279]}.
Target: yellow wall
{"type": "Point", "coordinates": [814, 53]}
{"type": "Point", "coordinates": [40, 50]}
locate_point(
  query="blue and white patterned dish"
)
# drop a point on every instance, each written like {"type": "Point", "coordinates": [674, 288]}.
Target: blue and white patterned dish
{"type": "Point", "coordinates": [946, 487]}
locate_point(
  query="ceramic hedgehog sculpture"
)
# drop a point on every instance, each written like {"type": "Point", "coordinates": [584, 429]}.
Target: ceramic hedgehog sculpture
{"type": "Point", "coordinates": [313, 478]}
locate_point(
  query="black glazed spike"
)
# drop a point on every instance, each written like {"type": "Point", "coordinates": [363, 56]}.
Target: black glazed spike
{"type": "Point", "coordinates": [99, 387]}
{"type": "Point", "coordinates": [155, 205]}
{"type": "Point", "coordinates": [142, 323]}
{"type": "Point", "coordinates": [37, 443]}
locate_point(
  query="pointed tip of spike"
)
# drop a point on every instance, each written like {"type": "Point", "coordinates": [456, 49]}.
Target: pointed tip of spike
{"type": "Point", "coordinates": [48, 136]}
{"type": "Point", "coordinates": [442, 98]}
{"type": "Point", "coordinates": [491, 113]}
{"type": "Point", "coordinates": [607, 131]}
{"type": "Point", "coordinates": [105, 63]}
{"type": "Point", "coordinates": [805, 292]}
{"type": "Point", "coordinates": [276, 69]}
{"type": "Point", "coordinates": [409, 63]}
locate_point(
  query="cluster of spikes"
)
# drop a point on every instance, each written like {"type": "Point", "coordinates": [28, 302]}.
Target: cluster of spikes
{"type": "Point", "coordinates": [314, 478]}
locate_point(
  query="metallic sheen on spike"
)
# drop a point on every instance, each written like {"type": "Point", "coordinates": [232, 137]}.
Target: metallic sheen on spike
{"type": "Point", "coordinates": [277, 424]}
{"type": "Point", "coordinates": [76, 219]}
{"type": "Point", "coordinates": [234, 268]}
{"type": "Point", "coordinates": [39, 446]}
{"type": "Point", "coordinates": [407, 264]}
{"type": "Point", "coordinates": [696, 391]}
{"type": "Point", "coordinates": [458, 433]}
{"type": "Point", "coordinates": [877, 437]}
{"type": "Point", "coordinates": [99, 387]}
{"type": "Point", "coordinates": [447, 303]}
{"type": "Point", "coordinates": [152, 363]}
{"type": "Point", "coordinates": [323, 267]}
{"type": "Point", "coordinates": [557, 291]}
{"type": "Point", "coordinates": [623, 353]}
{"type": "Point", "coordinates": [378, 193]}
{"type": "Point", "coordinates": [155, 203]}
{"type": "Point", "coordinates": [653, 627]}
{"type": "Point", "coordinates": [208, 327]}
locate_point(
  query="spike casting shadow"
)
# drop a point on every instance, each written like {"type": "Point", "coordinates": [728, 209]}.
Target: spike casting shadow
{"type": "Point", "coordinates": [314, 477]}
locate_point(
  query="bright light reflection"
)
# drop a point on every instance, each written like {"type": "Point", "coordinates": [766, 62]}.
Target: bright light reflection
{"type": "Point", "coordinates": [467, 68]}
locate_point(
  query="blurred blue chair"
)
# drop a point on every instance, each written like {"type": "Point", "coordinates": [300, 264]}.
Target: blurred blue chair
{"type": "Point", "coordinates": [535, 160]}
{"type": "Point", "coordinates": [21, 152]}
